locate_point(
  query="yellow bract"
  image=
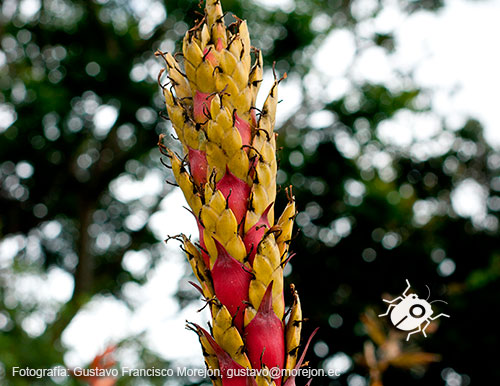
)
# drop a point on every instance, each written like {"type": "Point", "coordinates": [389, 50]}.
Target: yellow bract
{"type": "Point", "coordinates": [292, 332]}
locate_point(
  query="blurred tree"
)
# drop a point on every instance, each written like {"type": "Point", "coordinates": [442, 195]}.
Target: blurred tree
{"type": "Point", "coordinates": [373, 214]}
{"type": "Point", "coordinates": [78, 128]}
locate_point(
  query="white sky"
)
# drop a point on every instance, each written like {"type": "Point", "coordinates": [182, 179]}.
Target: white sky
{"type": "Point", "coordinates": [457, 50]}
{"type": "Point", "coordinates": [453, 52]}
{"type": "Point", "coordinates": [450, 52]}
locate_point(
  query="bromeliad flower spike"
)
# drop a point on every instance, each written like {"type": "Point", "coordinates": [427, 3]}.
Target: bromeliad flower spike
{"type": "Point", "coordinates": [228, 176]}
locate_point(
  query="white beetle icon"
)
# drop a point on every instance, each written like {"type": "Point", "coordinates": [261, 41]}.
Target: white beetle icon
{"type": "Point", "coordinates": [411, 312]}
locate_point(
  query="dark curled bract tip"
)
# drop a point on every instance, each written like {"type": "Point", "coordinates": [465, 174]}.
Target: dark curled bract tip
{"type": "Point", "coordinates": [175, 237]}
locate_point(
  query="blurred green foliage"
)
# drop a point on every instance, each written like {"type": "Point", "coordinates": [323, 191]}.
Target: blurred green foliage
{"type": "Point", "coordinates": [371, 214]}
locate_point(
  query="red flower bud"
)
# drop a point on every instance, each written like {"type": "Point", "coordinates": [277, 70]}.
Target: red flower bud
{"type": "Point", "coordinates": [256, 234]}
{"type": "Point", "coordinates": [226, 364]}
{"type": "Point", "coordinates": [264, 340]}
{"type": "Point", "coordinates": [198, 165]}
{"type": "Point", "coordinates": [236, 192]}
{"type": "Point", "coordinates": [231, 281]}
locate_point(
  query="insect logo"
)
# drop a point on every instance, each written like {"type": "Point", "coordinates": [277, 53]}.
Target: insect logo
{"type": "Point", "coordinates": [411, 312]}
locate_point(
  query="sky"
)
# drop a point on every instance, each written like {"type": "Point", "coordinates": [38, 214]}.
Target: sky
{"type": "Point", "coordinates": [452, 53]}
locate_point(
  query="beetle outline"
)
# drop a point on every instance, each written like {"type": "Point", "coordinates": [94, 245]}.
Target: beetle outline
{"type": "Point", "coordinates": [411, 312]}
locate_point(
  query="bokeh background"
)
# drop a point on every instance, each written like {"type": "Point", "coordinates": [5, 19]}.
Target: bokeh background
{"type": "Point", "coordinates": [390, 136]}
